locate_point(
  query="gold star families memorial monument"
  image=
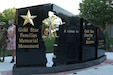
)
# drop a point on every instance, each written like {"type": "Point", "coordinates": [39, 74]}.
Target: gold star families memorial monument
{"type": "Point", "coordinates": [78, 44]}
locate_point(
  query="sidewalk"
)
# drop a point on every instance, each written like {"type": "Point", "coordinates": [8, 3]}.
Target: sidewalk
{"type": "Point", "coordinates": [105, 68]}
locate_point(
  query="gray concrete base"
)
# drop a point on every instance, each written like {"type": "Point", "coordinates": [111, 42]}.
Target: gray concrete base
{"type": "Point", "coordinates": [55, 69]}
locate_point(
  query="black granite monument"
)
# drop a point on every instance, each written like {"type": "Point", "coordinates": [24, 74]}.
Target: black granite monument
{"type": "Point", "coordinates": [78, 43]}
{"type": "Point", "coordinates": [66, 49]}
{"type": "Point", "coordinates": [31, 49]}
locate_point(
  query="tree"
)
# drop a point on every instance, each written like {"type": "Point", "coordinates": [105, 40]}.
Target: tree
{"type": "Point", "coordinates": [8, 14]}
{"type": "Point", "coordinates": [98, 12]}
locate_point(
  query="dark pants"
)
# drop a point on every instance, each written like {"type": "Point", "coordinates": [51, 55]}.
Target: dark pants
{"type": "Point", "coordinates": [2, 51]}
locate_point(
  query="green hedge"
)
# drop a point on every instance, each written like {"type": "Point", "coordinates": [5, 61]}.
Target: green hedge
{"type": "Point", "coordinates": [111, 41]}
{"type": "Point", "coordinates": [49, 43]}
{"type": "Point", "coordinates": [8, 53]}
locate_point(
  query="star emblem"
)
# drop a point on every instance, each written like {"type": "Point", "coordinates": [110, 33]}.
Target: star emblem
{"type": "Point", "coordinates": [28, 18]}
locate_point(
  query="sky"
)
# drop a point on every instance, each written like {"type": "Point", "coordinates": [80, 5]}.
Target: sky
{"type": "Point", "coordinates": [70, 5]}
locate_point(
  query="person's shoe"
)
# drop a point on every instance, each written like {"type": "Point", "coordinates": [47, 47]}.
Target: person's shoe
{"type": "Point", "coordinates": [12, 61]}
{"type": "Point", "coordinates": [2, 60]}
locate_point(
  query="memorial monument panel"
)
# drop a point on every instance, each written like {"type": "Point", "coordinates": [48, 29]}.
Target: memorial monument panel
{"type": "Point", "coordinates": [101, 43]}
{"type": "Point", "coordinates": [67, 51]}
{"type": "Point", "coordinates": [89, 41]}
{"type": "Point", "coordinates": [31, 49]}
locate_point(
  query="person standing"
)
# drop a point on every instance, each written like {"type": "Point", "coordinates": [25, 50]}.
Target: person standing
{"type": "Point", "coordinates": [11, 32]}
{"type": "Point", "coordinates": [3, 41]}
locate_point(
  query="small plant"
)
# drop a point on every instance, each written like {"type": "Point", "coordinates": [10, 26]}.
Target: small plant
{"type": "Point", "coordinates": [111, 41]}
{"type": "Point", "coordinates": [111, 44]}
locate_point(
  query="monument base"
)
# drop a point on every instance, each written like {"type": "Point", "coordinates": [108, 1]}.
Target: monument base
{"type": "Point", "coordinates": [55, 69]}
